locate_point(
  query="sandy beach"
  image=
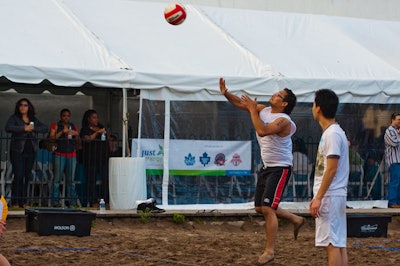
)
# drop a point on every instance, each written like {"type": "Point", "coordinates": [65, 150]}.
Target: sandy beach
{"type": "Point", "coordinates": [196, 241]}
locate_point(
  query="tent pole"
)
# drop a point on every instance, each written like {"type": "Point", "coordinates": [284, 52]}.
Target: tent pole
{"type": "Point", "coordinates": [124, 120]}
{"type": "Point", "coordinates": [165, 181]}
{"type": "Point", "coordinates": [139, 126]}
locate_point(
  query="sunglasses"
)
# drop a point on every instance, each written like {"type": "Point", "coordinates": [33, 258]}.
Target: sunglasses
{"type": "Point", "coordinates": [279, 95]}
{"type": "Point", "coordinates": [23, 104]}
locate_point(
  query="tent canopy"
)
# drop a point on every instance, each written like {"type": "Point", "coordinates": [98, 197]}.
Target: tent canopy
{"type": "Point", "coordinates": [128, 44]}
{"type": "Point", "coordinates": [43, 41]}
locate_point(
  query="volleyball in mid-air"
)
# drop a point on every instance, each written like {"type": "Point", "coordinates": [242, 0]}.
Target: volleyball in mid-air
{"type": "Point", "coordinates": [175, 13]}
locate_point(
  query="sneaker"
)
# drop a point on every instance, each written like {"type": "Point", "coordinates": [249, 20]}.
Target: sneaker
{"type": "Point", "coordinates": [154, 208]}
{"type": "Point", "coordinates": [149, 207]}
{"type": "Point", "coordinates": [142, 207]}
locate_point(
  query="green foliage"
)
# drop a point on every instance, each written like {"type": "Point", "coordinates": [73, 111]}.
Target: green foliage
{"type": "Point", "coordinates": [145, 216]}
{"type": "Point", "coordinates": [178, 218]}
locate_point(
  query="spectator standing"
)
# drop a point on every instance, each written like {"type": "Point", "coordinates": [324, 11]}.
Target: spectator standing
{"type": "Point", "coordinates": [66, 135]}
{"type": "Point", "coordinates": [328, 207]}
{"type": "Point", "coordinates": [94, 156]}
{"type": "Point", "coordinates": [115, 149]}
{"type": "Point", "coordinates": [24, 128]}
{"type": "Point", "coordinates": [392, 156]}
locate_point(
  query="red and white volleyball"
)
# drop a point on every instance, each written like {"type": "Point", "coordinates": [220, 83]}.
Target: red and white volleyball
{"type": "Point", "coordinates": [175, 13]}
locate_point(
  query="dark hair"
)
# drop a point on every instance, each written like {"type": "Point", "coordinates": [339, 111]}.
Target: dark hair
{"type": "Point", "coordinates": [291, 99]}
{"type": "Point", "coordinates": [85, 119]}
{"type": "Point", "coordinates": [300, 146]}
{"type": "Point", "coordinates": [64, 110]}
{"type": "Point", "coordinates": [31, 109]}
{"type": "Point", "coordinates": [113, 137]}
{"type": "Point", "coordinates": [328, 101]}
{"type": "Point", "coordinates": [394, 115]}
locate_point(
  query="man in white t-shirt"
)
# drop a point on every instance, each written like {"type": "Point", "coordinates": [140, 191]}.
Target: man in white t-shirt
{"type": "Point", "coordinates": [274, 130]}
{"type": "Point", "coordinates": [328, 206]}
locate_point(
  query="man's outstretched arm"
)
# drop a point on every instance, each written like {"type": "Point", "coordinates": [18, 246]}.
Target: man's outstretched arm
{"type": "Point", "coordinates": [233, 99]}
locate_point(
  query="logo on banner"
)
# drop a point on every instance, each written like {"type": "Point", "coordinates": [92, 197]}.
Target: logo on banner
{"type": "Point", "coordinates": [152, 153]}
{"type": "Point", "coordinates": [236, 159]}
{"type": "Point", "coordinates": [219, 159]}
{"type": "Point", "coordinates": [205, 159]}
{"type": "Point", "coordinates": [190, 160]}
{"type": "Point", "coordinates": [148, 153]}
{"type": "Point", "coordinates": [160, 150]}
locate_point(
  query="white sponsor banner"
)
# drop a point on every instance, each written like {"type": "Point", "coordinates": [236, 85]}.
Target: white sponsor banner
{"type": "Point", "coordinates": [193, 157]}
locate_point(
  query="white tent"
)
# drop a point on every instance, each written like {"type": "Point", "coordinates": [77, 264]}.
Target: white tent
{"type": "Point", "coordinates": [258, 51]}
{"type": "Point", "coordinates": [42, 40]}
{"type": "Point", "coordinates": [128, 44]}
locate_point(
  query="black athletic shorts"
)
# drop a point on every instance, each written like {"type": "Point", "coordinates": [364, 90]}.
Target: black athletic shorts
{"type": "Point", "coordinates": [271, 183]}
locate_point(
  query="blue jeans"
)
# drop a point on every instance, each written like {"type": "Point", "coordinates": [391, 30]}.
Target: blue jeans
{"type": "Point", "coordinates": [68, 165]}
{"type": "Point", "coordinates": [394, 184]}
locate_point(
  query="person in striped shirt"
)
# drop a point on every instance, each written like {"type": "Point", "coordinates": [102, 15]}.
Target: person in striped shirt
{"type": "Point", "coordinates": [392, 156]}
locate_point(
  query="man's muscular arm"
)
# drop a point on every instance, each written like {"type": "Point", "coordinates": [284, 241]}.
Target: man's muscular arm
{"type": "Point", "coordinates": [280, 126]}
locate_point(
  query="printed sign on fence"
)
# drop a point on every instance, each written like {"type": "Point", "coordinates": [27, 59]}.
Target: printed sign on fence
{"type": "Point", "coordinates": [196, 157]}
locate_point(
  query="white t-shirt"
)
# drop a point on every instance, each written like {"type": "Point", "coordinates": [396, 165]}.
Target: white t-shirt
{"type": "Point", "coordinates": [333, 142]}
{"type": "Point", "coordinates": [275, 150]}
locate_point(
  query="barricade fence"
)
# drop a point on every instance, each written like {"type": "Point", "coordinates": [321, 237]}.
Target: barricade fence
{"type": "Point", "coordinates": [58, 179]}
{"type": "Point", "coordinates": [49, 186]}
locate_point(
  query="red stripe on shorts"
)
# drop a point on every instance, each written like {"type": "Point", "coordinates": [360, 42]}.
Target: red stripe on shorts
{"type": "Point", "coordinates": [279, 189]}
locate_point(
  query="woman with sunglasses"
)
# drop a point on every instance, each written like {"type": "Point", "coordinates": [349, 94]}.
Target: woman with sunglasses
{"type": "Point", "coordinates": [24, 127]}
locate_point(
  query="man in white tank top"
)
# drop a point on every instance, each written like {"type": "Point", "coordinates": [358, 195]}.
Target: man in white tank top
{"type": "Point", "coordinates": [274, 130]}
